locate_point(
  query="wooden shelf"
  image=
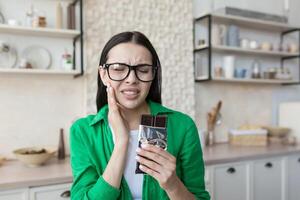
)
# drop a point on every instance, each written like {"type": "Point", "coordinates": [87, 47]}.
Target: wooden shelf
{"type": "Point", "coordinates": [219, 48]}
{"type": "Point", "coordinates": [46, 32]}
{"type": "Point", "coordinates": [38, 71]}
{"type": "Point", "coordinates": [251, 23]}
{"type": "Point", "coordinates": [247, 80]}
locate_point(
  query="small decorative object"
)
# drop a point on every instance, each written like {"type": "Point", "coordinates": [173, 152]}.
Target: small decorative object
{"type": "Point", "coordinates": [71, 16]}
{"type": "Point", "coordinates": [219, 34]}
{"type": "Point", "coordinates": [201, 43]}
{"type": "Point", "coordinates": [228, 63]}
{"type": "Point", "coordinates": [218, 71]}
{"type": "Point", "coordinates": [283, 74]}
{"type": "Point", "coordinates": [39, 19]}
{"type": "Point", "coordinates": [253, 44]}
{"type": "Point", "coordinates": [292, 48]}
{"type": "Point", "coordinates": [29, 17]}
{"type": "Point", "coordinates": [61, 145]}
{"type": "Point", "coordinates": [256, 69]}
{"type": "Point", "coordinates": [269, 74]}
{"type": "Point", "coordinates": [13, 22]}
{"type": "Point", "coordinates": [233, 36]}
{"type": "Point", "coordinates": [245, 43]}
{"type": "Point", "coordinates": [59, 15]}
{"type": "Point", "coordinates": [67, 63]}
{"type": "Point", "coordinates": [240, 72]}
{"type": "Point", "coordinates": [266, 46]}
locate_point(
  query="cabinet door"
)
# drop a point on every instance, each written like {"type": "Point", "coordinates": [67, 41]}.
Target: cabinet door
{"type": "Point", "coordinates": [57, 192]}
{"type": "Point", "coordinates": [20, 194]}
{"type": "Point", "coordinates": [231, 182]}
{"type": "Point", "coordinates": [293, 177]}
{"type": "Point", "coordinates": [267, 179]}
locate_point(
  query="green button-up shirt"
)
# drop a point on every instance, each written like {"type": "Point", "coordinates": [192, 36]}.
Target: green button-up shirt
{"type": "Point", "coordinates": [92, 145]}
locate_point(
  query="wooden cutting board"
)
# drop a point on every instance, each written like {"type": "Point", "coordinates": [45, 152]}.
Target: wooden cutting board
{"type": "Point", "coordinates": [289, 116]}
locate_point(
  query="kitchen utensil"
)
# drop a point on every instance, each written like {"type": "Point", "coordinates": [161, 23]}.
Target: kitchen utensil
{"type": "Point", "coordinates": [228, 63]}
{"type": "Point", "coordinates": [213, 118]}
{"type": "Point", "coordinates": [288, 116]}
{"type": "Point", "coordinates": [37, 56]}
{"type": "Point", "coordinates": [34, 156]}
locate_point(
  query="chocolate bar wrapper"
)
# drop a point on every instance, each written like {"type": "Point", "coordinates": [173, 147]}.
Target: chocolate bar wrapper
{"type": "Point", "coordinates": [151, 135]}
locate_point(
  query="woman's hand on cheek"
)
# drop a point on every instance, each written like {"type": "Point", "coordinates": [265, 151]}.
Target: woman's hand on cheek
{"type": "Point", "coordinates": [159, 164]}
{"type": "Point", "coordinates": [118, 123]}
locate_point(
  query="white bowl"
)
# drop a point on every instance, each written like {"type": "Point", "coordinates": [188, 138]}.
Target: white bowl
{"type": "Point", "coordinates": [34, 156]}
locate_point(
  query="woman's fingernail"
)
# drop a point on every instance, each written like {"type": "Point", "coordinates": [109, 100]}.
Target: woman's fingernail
{"type": "Point", "coordinates": [145, 145]}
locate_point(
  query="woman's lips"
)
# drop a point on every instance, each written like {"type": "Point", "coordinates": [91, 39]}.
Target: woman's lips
{"type": "Point", "coordinates": [130, 94]}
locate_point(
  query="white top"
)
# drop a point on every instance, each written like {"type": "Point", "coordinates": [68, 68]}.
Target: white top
{"type": "Point", "coordinates": [134, 181]}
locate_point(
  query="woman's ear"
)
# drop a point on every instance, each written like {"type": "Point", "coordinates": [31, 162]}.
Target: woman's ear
{"type": "Point", "coordinates": [103, 75]}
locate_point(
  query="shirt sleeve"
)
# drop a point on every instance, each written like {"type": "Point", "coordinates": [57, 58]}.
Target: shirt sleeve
{"type": "Point", "coordinates": [192, 162]}
{"type": "Point", "coordinates": [87, 183]}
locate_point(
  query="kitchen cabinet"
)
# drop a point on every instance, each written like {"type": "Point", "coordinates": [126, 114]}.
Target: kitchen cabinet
{"type": "Point", "coordinates": [267, 179]}
{"type": "Point", "coordinates": [55, 41]}
{"type": "Point", "coordinates": [49, 192]}
{"type": "Point", "coordinates": [231, 181]}
{"type": "Point", "coordinates": [265, 43]}
{"type": "Point", "coordinates": [274, 178]}
{"type": "Point", "coordinates": [57, 192]}
{"type": "Point", "coordinates": [293, 174]}
{"type": "Point", "coordinates": [18, 194]}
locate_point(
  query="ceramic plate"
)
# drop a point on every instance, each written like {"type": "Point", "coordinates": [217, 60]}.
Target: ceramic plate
{"type": "Point", "coordinates": [39, 57]}
{"type": "Point", "coordinates": [8, 59]}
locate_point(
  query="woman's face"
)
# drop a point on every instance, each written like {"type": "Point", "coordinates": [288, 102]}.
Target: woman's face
{"type": "Point", "coordinates": [130, 92]}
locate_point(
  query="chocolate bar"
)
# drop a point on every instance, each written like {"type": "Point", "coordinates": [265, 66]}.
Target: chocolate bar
{"type": "Point", "coordinates": [152, 130]}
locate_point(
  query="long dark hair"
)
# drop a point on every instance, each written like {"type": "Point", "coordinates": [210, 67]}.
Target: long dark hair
{"type": "Point", "coordinates": [140, 39]}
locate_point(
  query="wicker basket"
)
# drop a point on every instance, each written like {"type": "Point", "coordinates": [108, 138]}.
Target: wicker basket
{"type": "Point", "coordinates": [248, 137]}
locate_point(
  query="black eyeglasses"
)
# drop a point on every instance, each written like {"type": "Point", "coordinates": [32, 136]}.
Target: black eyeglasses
{"type": "Point", "coordinates": [120, 71]}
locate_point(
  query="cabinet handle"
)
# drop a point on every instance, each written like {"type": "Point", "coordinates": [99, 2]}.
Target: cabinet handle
{"type": "Point", "coordinates": [269, 165]}
{"type": "Point", "coordinates": [298, 159]}
{"type": "Point", "coordinates": [65, 194]}
{"type": "Point", "coordinates": [231, 170]}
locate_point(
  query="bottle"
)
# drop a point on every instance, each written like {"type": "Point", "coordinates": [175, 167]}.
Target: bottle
{"type": "Point", "coordinates": [58, 24]}
{"type": "Point", "coordinates": [61, 145]}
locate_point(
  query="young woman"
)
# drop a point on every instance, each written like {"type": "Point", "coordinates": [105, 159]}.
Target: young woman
{"type": "Point", "coordinates": [104, 147]}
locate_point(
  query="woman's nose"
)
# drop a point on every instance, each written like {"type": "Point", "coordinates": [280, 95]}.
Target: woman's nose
{"type": "Point", "coordinates": [131, 77]}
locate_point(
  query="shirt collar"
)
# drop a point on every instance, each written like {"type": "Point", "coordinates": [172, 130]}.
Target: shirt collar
{"type": "Point", "coordinates": [155, 109]}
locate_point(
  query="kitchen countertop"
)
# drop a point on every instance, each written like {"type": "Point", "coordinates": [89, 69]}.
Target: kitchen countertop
{"type": "Point", "coordinates": [224, 153]}
{"type": "Point", "coordinates": [13, 174]}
